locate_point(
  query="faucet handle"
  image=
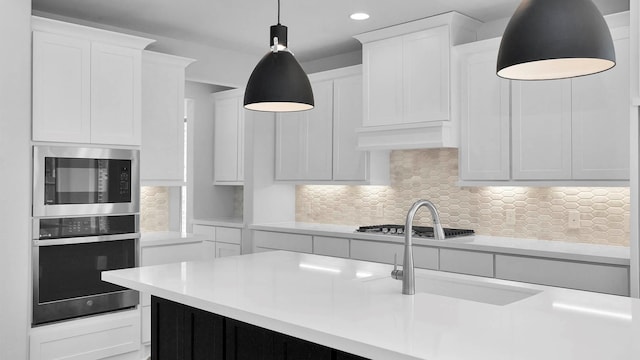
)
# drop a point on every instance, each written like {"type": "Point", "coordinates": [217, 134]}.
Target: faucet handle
{"type": "Point", "coordinates": [396, 274]}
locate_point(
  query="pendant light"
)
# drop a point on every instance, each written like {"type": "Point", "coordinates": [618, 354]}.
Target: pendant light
{"type": "Point", "coordinates": [278, 82]}
{"type": "Point", "coordinates": [555, 39]}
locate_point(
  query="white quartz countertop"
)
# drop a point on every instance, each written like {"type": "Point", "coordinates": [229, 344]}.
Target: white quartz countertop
{"type": "Point", "coordinates": [235, 222]}
{"type": "Point", "coordinates": [356, 307]}
{"type": "Point", "coordinates": [608, 254]}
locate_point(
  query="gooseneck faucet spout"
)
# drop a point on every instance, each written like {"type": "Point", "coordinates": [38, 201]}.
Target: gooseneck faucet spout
{"type": "Point", "coordinates": [407, 274]}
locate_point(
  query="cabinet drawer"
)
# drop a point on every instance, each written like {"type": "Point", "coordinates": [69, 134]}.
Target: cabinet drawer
{"type": "Point", "coordinates": [97, 337]}
{"type": "Point", "coordinates": [223, 249]}
{"type": "Point", "coordinates": [228, 235]}
{"type": "Point", "coordinates": [423, 257]}
{"type": "Point", "coordinates": [466, 262]}
{"type": "Point", "coordinates": [376, 251]}
{"type": "Point", "coordinates": [338, 247]}
{"type": "Point", "coordinates": [282, 241]}
{"type": "Point", "coordinates": [608, 279]}
{"type": "Point", "coordinates": [209, 231]}
{"type": "Point", "coordinates": [156, 255]}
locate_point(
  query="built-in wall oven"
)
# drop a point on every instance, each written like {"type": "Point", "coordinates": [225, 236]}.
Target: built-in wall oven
{"type": "Point", "coordinates": [68, 256]}
{"type": "Point", "coordinates": [72, 181]}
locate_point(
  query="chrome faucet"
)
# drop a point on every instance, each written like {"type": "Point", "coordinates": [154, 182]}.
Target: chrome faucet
{"type": "Point", "coordinates": [407, 274]}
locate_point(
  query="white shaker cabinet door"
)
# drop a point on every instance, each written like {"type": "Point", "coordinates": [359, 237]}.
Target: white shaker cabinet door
{"type": "Point", "coordinates": [228, 115]}
{"type": "Point", "coordinates": [601, 120]}
{"type": "Point", "coordinates": [382, 61]}
{"type": "Point", "coordinates": [115, 95]}
{"type": "Point", "coordinates": [162, 150]}
{"type": "Point", "coordinates": [425, 67]}
{"type": "Point", "coordinates": [304, 139]}
{"type": "Point", "coordinates": [349, 164]}
{"type": "Point", "coordinates": [485, 121]}
{"type": "Point", "coordinates": [61, 88]}
{"type": "Point", "coordinates": [291, 136]}
{"type": "Point", "coordinates": [541, 130]}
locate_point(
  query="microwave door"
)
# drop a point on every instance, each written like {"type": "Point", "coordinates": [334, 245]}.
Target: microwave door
{"type": "Point", "coordinates": [77, 181]}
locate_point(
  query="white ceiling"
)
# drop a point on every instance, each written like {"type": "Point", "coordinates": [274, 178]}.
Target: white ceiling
{"type": "Point", "coordinates": [317, 28]}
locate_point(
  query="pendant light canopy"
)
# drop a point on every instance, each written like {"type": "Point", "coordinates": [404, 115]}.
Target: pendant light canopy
{"type": "Point", "coordinates": [278, 82]}
{"type": "Point", "coordinates": [555, 39]}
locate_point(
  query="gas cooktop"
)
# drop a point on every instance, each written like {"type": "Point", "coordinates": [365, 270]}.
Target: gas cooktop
{"type": "Point", "coordinates": [418, 231]}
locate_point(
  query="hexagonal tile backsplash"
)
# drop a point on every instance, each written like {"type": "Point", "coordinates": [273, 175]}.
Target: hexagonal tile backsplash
{"type": "Point", "coordinates": [154, 208]}
{"type": "Point", "coordinates": [540, 213]}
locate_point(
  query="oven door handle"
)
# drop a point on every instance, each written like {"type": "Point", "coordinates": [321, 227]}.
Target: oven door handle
{"type": "Point", "coordinates": [86, 239]}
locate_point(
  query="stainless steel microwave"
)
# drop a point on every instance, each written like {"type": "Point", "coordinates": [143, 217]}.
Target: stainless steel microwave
{"type": "Point", "coordinates": [70, 181]}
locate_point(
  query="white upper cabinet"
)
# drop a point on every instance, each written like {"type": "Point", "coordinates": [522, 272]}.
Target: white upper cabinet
{"type": "Point", "coordinates": [425, 77]}
{"type": "Point", "coordinates": [406, 81]}
{"type": "Point", "coordinates": [562, 132]}
{"type": "Point", "coordinates": [229, 138]}
{"type": "Point", "coordinates": [116, 85]}
{"type": "Point", "coordinates": [600, 120]}
{"type": "Point", "coordinates": [304, 139]}
{"type": "Point", "coordinates": [382, 61]}
{"type": "Point", "coordinates": [348, 163]}
{"type": "Point", "coordinates": [541, 130]}
{"type": "Point", "coordinates": [484, 113]}
{"type": "Point", "coordinates": [162, 150]}
{"type": "Point", "coordinates": [86, 84]}
{"type": "Point", "coordinates": [61, 88]}
{"type": "Point", "coordinates": [320, 145]}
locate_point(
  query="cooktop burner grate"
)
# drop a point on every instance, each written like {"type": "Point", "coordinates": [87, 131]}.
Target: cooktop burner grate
{"type": "Point", "coordinates": [418, 231]}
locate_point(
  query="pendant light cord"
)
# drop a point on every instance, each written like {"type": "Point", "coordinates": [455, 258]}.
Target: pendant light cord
{"type": "Point", "coordinates": [278, 12]}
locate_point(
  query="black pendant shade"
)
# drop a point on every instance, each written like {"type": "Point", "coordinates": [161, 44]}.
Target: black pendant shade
{"type": "Point", "coordinates": [555, 39]}
{"type": "Point", "coordinates": [278, 83]}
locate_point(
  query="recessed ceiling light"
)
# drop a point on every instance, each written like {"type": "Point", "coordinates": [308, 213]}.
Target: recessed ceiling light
{"type": "Point", "coordinates": [359, 16]}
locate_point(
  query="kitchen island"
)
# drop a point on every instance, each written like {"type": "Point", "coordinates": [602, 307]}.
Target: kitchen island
{"type": "Point", "coordinates": [355, 307]}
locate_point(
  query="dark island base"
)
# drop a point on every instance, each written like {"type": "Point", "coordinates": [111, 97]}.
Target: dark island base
{"type": "Point", "coordinates": [180, 332]}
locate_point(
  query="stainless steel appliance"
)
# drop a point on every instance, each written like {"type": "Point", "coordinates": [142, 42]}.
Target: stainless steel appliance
{"type": "Point", "coordinates": [72, 181]}
{"type": "Point", "coordinates": [68, 256]}
{"type": "Point", "coordinates": [418, 231]}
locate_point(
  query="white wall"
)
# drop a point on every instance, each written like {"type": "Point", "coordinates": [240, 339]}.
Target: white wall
{"type": "Point", "coordinates": [209, 201]}
{"type": "Point", "coordinates": [15, 181]}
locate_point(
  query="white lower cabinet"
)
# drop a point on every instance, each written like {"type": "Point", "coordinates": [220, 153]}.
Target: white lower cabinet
{"type": "Point", "coordinates": [146, 324]}
{"type": "Point", "coordinates": [579, 275]}
{"type": "Point", "coordinates": [331, 246]}
{"type": "Point", "coordinates": [466, 262]}
{"type": "Point", "coordinates": [609, 279]}
{"type": "Point", "coordinates": [224, 249]}
{"type": "Point", "coordinates": [377, 251]}
{"type": "Point", "coordinates": [266, 241]}
{"type": "Point", "coordinates": [156, 255]}
{"type": "Point", "coordinates": [228, 235]}
{"type": "Point", "coordinates": [96, 337]}
{"type": "Point", "coordinates": [223, 241]}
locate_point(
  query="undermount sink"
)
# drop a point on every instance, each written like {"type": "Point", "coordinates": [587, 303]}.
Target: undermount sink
{"type": "Point", "coordinates": [489, 293]}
